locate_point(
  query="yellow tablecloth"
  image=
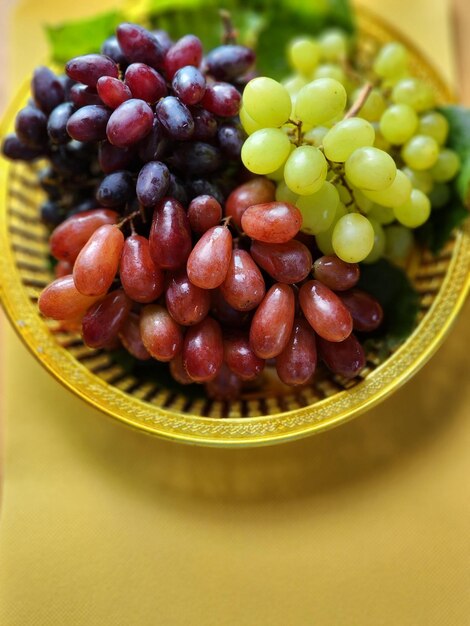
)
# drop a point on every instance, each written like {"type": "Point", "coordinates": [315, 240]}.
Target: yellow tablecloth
{"type": "Point", "coordinates": [365, 525]}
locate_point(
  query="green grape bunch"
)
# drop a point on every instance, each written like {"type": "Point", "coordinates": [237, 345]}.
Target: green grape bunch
{"type": "Point", "coordinates": [363, 156]}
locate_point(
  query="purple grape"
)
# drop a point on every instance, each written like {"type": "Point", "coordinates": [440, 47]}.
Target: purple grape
{"type": "Point", "coordinates": [177, 190]}
{"type": "Point", "coordinates": [51, 213]}
{"type": "Point", "coordinates": [129, 123]}
{"type": "Point", "coordinates": [112, 159]}
{"type": "Point", "coordinates": [231, 140]}
{"type": "Point", "coordinates": [196, 158]}
{"type": "Point", "coordinates": [57, 123]}
{"type": "Point", "coordinates": [140, 46]}
{"type": "Point", "coordinates": [154, 145]}
{"type": "Point", "coordinates": [175, 117]}
{"type": "Point", "coordinates": [47, 89]}
{"type": "Point", "coordinates": [67, 83]}
{"type": "Point", "coordinates": [189, 84]}
{"type": "Point", "coordinates": [222, 99]}
{"type": "Point", "coordinates": [87, 69]}
{"type": "Point", "coordinates": [82, 96]}
{"type": "Point", "coordinates": [145, 83]}
{"type": "Point", "coordinates": [115, 189]}
{"type": "Point", "coordinates": [152, 183]}
{"type": "Point", "coordinates": [163, 39]}
{"type": "Point", "coordinates": [112, 49]}
{"type": "Point", "coordinates": [88, 123]}
{"type": "Point", "coordinates": [31, 127]}
{"type": "Point", "coordinates": [205, 124]}
{"type": "Point", "coordinates": [186, 51]}
{"type": "Point", "coordinates": [229, 62]}
{"type": "Point", "coordinates": [203, 187]}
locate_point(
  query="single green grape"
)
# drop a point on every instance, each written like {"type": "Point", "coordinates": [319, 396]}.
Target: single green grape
{"type": "Point", "coordinates": [294, 84]}
{"type": "Point", "coordinates": [346, 136]}
{"type": "Point", "coordinates": [378, 247]}
{"type": "Point", "coordinates": [435, 125]}
{"type": "Point", "coordinates": [314, 137]}
{"type": "Point", "coordinates": [392, 60]}
{"type": "Point", "coordinates": [305, 170]}
{"type": "Point", "coordinates": [395, 195]}
{"type": "Point", "coordinates": [249, 125]}
{"type": "Point", "coordinates": [320, 101]}
{"type": "Point", "coordinates": [398, 123]}
{"type": "Point", "coordinates": [267, 102]}
{"type": "Point", "coordinates": [330, 70]}
{"type": "Point", "coordinates": [373, 107]}
{"type": "Point", "coordinates": [333, 45]}
{"type": "Point", "coordinates": [319, 209]}
{"type": "Point", "coordinates": [284, 194]}
{"type": "Point", "coordinates": [414, 92]}
{"type": "Point", "coordinates": [399, 242]}
{"type": "Point", "coordinates": [415, 211]}
{"type": "Point", "coordinates": [265, 150]}
{"type": "Point", "coordinates": [446, 167]}
{"type": "Point", "coordinates": [439, 196]}
{"type": "Point", "coordinates": [419, 180]}
{"type": "Point", "coordinates": [370, 168]}
{"type": "Point", "coordinates": [382, 214]}
{"type": "Point", "coordinates": [304, 55]}
{"type": "Point", "coordinates": [324, 239]}
{"type": "Point", "coordinates": [353, 238]}
{"type": "Point", "coordinates": [420, 152]}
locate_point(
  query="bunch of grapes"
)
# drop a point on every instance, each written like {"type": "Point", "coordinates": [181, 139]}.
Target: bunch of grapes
{"type": "Point", "coordinates": [162, 244]}
{"type": "Point", "coordinates": [361, 177]}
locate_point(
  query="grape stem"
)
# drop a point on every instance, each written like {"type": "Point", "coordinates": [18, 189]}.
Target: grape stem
{"type": "Point", "coordinates": [128, 218]}
{"type": "Point", "coordinates": [230, 33]}
{"type": "Point", "coordinates": [361, 100]}
{"type": "Point", "coordinates": [298, 126]}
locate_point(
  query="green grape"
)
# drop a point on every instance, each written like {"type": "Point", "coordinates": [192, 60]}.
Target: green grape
{"type": "Point", "coordinates": [284, 194]}
{"type": "Point", "coordinates": [324, 239]}
{"type": "Point", "coordinates": [319, 209]}
{"type": "Point", "coordinates": [398, 242]}
{"type": "Point", "coordinates": [395, 195]}
{"type": "Point", "coordinates": [249, 125]}
{"type": "Point", "coordinates": [380, 142]}
{"type": "Point", "coordinates": [265, 150]}
{"type": "Point", "coordinates": [353, 238]}
{"type": "Point", "coordinates": [304, 55]}
{"type": "Point", "coordinates": [315, 136]}
{"type": "Point", "coordinates": [320, 101]}
{"type": "Point", "coordinates": [439, 196]}
{"type": "Point", "coordinates": [330, 70]}
{"type": "Point", "coordinates": [414, 92]}
{"type": "Point", "coordinates": [305, 170]}
{"type": "Point", "coordinates": [392, 60]}
{"type": "Point", "coordinates": [344, 194]}
{"type": "Point", "coordinates": [382, 214]}
{"type": "Point", "coordinates": [420, 152]}
{"type": "Point", "coordinates": [446, 167]}
{"type": "Point", "coordinates": [415, 211]}
{"type": "Point", "coordinates": [370, 168]}
{"type": "Point", "coordinates": [373, 107]}
{"type": "Point", "coordinates": [333, 45]}
{"type": "Point", "coordinates": [398, 123]}
{"type": "Point", "coordinates": [267, 102]}
{"type": "Point", "coordinates": [419, 180]}
{"type": "Point", "coordinates": [362, 202]}
{"type": "Point", "coordinates": [435, 125]}
{"type": "Point", "coordinates": [278, 175]}
{"type": "Point", "coordinates": [378, 248]}
{"type": "Point", "coordinates": [346, 136]}
{"type": "Point", "coordinates": [294, 84]}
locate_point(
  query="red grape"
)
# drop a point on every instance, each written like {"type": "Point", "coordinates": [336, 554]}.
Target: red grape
{"type": "Point", "coordinates": [225, 386]}
{"type": "Point", "coordinates": [178, 371]}
{"type": "Point", "coordinates": [81, 96]}
{"type": "Point", "coordinates": [272, 222]}
{"type": "Point", "coordinates": [47, 90]}
{"type": "Point", "coordinates": [131, 338]}
{"type": "Point", "coordinates": [346, 358]}
{"type": "Point", "coordinates": [229, 61]}
{"type": "Point", "coordinates": [140, 278]}
{"type": "Point", "coordinates": [186, 51]}
{"type": "Point", "coordinates": [170, 235]}
{"type": "Point", "coordinates": [129, 123]}
{"type": "Point", "coordinates": [297, 362]}
{"type": "Point", "coordinates": [161, 335]}
{"type": "Point", "coordinates": [61, 301]}
{"type": "Point", "coordinates": [366, 312]}
{"type": "Point", "coordinates": [336, 273]}
{"type": "Point", "coordinates": [175, 117]}
{"type": "Point", "coordinates": [222, 99]}
{"type": "Point", "coordinates": [87, 69]}
{"type": "Point", "coordinates": [273, 321]}
{"type": "Point", "coordinates": [324, 311]}
{"type": "Point", "coordinates": [152, 183]}
{"type": "Point", "coordinates": [209, 260]}
{"type": "Point", "coordinates": [288, 262]}
{"type": "Point", "coordinates": [186, 303]}
{"type": "Point", "coordinates": [189, 84]}
{"type": "Point", "coordinates": [88, 123]}
{"type": "Point", "coordinates": [203, 350]}
{"type": "Point", "coordinates": [205, 124]}
{"type": "Point", "coordinates": [243, 287]}
{"type": "Point", "coordinates": [112, 91]}
{"type": "Point", "coordinates": [63, 268]}
{"type": "Point", "coordinates": [98, 261]}
{"type": "Point", "coordinates": [226, 314]}
{"type": "Point", "coordinates": [104, 319]}
{"type": "Point", "coordinates": [240, 357]}
{"type": "Point", "coordinates": [145, 83]}
{"type": "Point", "coordinates": [204, 212]}
{"type": "Point", "coordinates": [139, 45]}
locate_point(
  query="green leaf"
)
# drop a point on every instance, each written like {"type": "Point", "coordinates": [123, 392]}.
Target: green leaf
{"type": "Point", "coordinates": [437, 230]}
{"type": "Point", "coordinates": [399, 299]}
{"type": "Point", "coordinates": [81, 36]}
{"type": "Point", "coordinates": [459, 140]}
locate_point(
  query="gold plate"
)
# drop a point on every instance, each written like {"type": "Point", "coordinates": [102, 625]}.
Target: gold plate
{"type": "Point", "coordinates": [278, 413]}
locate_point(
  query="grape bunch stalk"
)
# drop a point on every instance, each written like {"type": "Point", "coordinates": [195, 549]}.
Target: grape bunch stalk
{"type": "Point", "coordinates": [363, 177]}
{"type": "Point", "coordinates": [164, 243]}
